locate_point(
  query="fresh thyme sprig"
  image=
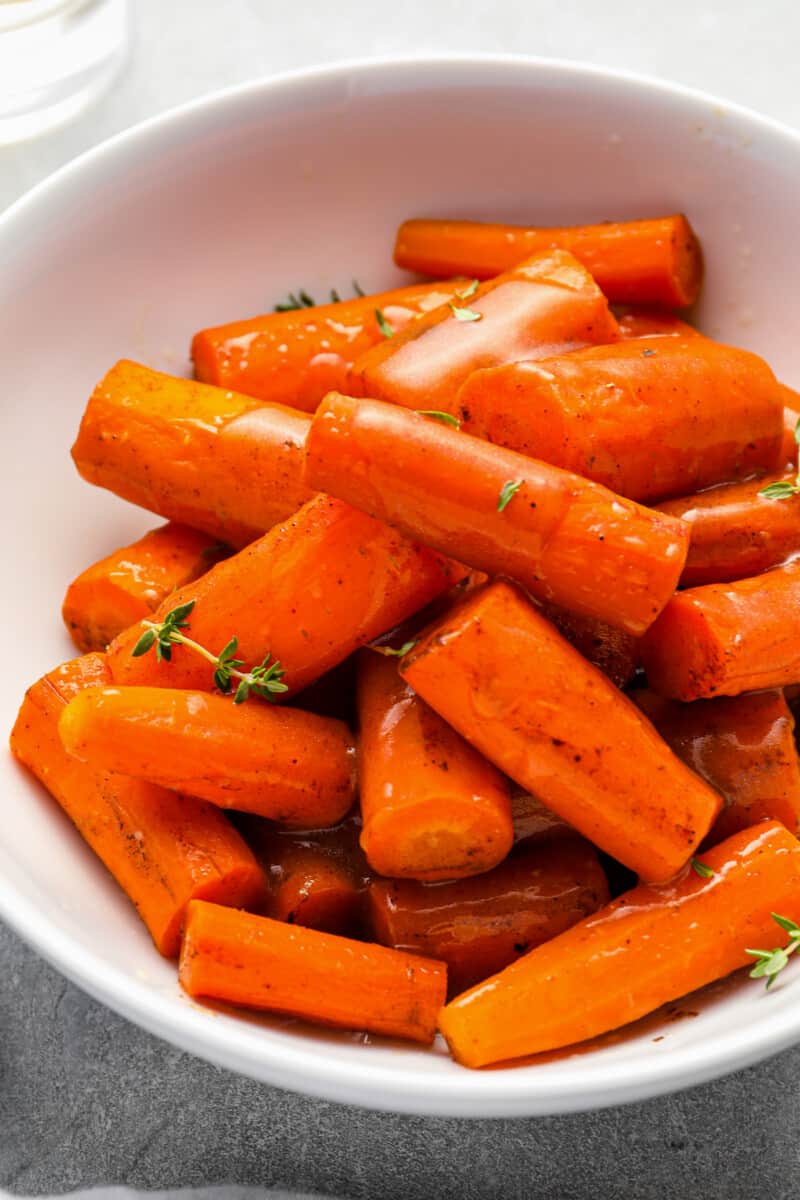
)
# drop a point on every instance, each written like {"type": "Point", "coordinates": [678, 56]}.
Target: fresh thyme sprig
{"type": "Point", "coordinates": [444, 417]}
{"type": "Point", "coordinates": [782, 489]}
{"type": "Point", "coordinates": [301, 299]}
{"type": "Point", "coordinates": [400, 652]}
{"type": "Point", "coordinates": [265, 680]}
{"type": "Point", "coordinates": [465, 314]}
{"type": "Point", "coordinates": [772, 962]}
{"type": "Point", "coordinates": [383, 324]}
{"type": "Point", "coordinates": [702, 869]}
{"type": "Point", "coordinates": [507, 493]}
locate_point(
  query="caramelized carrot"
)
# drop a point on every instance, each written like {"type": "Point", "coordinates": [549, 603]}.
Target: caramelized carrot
{"type": "Point", "coordinates": [651, 322]}
{"type": "Point", "coordinates": [432, 807]}
{"type": "Point", "coordinates": [743, 745]}
{"type": "Point", "coordinates": [317, 876]}
{"type": "Point", "coordinates": [649, 418]}
{"type": "Point", "coordinates": [735, 531]}
{"type": "Point", "coordinates": [567, 540]}
{"type": "Point", "coordinates": [209, 458]}
{"type": "Point", "coordinates": [265, 964]}
{"type": "Point", "coordinates": [308, 593]}
{"type": "Point", "coordinates": [163, 849]}
{"type": "Point", "coordinates": [505, 678]}
{"type": "Point", "coordinates": [724, 639]}
{"type": "Point", "coordinates": [534, 821]}
{"type": "Point", "coordinates": [547, 305]}
{"type": "Point", "coordinates": [282, 763]}
{"type": "Point", "coordinates": [294, 358]}
{"type": "Point", "coordinates": [131, 583]}
{"type": "Point", "coordinates": [650, 945]}
{"type": "Point", "coordinates": [655, 261]}
{"type": "Point", "coordinates": [480, 925]}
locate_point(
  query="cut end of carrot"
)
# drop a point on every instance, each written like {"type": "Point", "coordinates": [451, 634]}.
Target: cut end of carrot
{"type": "Point", "coordinates": [441, 837]}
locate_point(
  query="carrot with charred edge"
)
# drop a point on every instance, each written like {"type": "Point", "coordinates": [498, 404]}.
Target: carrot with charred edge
{"type": "Point", "coordinates": [650, 945]}
{"type": "Point", "coordinates": [432, 807]}
{"type": "Point", "coordinates": [131, 583]}
{"type": "Point", "coordinates": [163, 849]}
{"type": "Point", "coordinates": [534, 821]}
{"type": "Point", "coordinates": [743, 745]}
{"type": "Point", "coordinates": [655, 261]}
{"type": "Point", "coordinates": [508, 682]}
{"type": "Point", "coordinates": [308, 593]}
{"type": "Point", "coordinates": [212, 459]}
{"type": "Point", "coordinates": [611, 650]}
{"type": "Point", "coordinates": [724, 639]}
{"type": "Point", "coordinates": [649, 418]}
{"type": "Point", "coordinates": [547, 305]}
{"type": "Point", "coordinates": [291, 766]}
{"type": "Point", "coordinates": [294, 358]}
{"type": "Point", "coordinates": [650, 322]}
{"type": "Point", "coordinates": [736, 531]}
{"type": "Point", "coordinates": [317, 877]}
{"type": "Point", "coordinates": [264, 964]}
{"type": "Point", "coordinates": [480, 925]}
{"type": "Point", "coordinates": [568, 541]}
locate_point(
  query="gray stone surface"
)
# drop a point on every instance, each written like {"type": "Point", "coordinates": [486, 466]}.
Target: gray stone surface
{"type": "Point", "coordinates": [87, 1099]}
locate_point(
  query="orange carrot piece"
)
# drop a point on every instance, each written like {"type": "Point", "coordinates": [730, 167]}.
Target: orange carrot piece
{"type": "Point", "coordinates": [308, 593]}
{"type": "Point", "coordinates": [432, 807]}
{"type": "Point", "coordinates": [480, 925]}
{"type": "Point", "coordinates": [743, 745]}
{"type": "Point", "coordinates": [724, 639]}
{"type": "Point", "coordinates": [509, 683]}
{"type": "Point", "coordinates": [294, 358]}
{"type": "Point", "coordinates": [534, 821]}
{"type": "Point", "coordinates": [655, 261]}
{"type": "Point", "coordinates": [211, 459]}
{"type": "Point", "coordinates": [648, 418]}
{"type": "Point", "coordinates": [317, 876]}
{"type": "Point", "coordinates": [567, 540]}
{"type": "Point", "coordinates": [611, 650]}
{"type": "Point", "coordinates": [651, 322]}
{"type": "Point", "coordinates": [163, 849]}
{"type": "Point", "coordinates": [547, 305]}
{"type": "Point", "coordinates": [291, 766]}
{"type": "Point", "coordinates": [264, 964]}
{"type": "Point", "coordinates": [735, 531]}
{"type": "Point", "coordinates": [647, 947]}
{"type": "Point", "coordinates": [791, 420]}
{"type": "Point", "coordinates": [130, 584]}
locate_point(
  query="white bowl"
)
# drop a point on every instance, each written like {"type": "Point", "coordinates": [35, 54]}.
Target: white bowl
{"type": "Point", "coordinates": [216, 211]}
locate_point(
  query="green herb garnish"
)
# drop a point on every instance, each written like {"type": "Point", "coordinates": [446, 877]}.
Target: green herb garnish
{"type": "Point", "coordinates": [401, 652]}
{"type": "Point", "coordinates": [702, 869]}
{"type": "Point", "coordinates": [464, 314]}
{"type": "Point", "coordinates": [359, 291]}
{"type": "Point", "coordinates": [507, 493]}
{"type": "Point", "coordinates": [772, 962]}
{"type": "Point", "coordinates": [383, 324]}
{"type": "Point", "coordinates": [782, 489]}
{"type": "Point", "coordinates": [445, 418]}
{"type": "Point", "coordinates": [468, 291]}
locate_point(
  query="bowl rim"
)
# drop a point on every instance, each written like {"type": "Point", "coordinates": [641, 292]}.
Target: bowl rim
{"type": "Point", "coordinates": [289, 1063]}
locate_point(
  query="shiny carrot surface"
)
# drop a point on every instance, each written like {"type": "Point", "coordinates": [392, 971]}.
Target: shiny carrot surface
{"type": "Point", "coordinates": [727, 638]}
{"type": "Point", "coordinates": [547, 305]}
{"type": "Point", "coordinates": [294, 358]}
{"type": "Point", "coordinates": [743, 745]}
{"type": "Point", "coordinates": [649, 418]}
{"type": "Point", "coordinates": [130, 584]}
{"type": "Point", "coordinates": [308, 593]}
{"type": "Point", "coordinates": [504, 677]}
{"type": "Point", "coordinates": [163, 849]}
{"type": "Point", "coordinates": [655, 261]}
{"type": "Point", "coordinates": [480, 925]}
{"type": "Point", "coordinates": [432, 807]}
{"type": "Point", "coordinates": [264, 964]}
{"type": "Point", "coordinates": [206, 457]}
{"type": "Point", "coordinates": [652, 322]}
{"type": "Point", "coordinates": [614, 651]}
{"type": "Point", "coordinates": [791, 420]}
{"type": "Point", "coordinates": [650, 945]}
{"type": "Point", "coordinates": [567, 540]}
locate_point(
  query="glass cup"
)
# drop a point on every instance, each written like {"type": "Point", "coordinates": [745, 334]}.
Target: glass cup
{"type": "Point", "coordinates": [55, 57]}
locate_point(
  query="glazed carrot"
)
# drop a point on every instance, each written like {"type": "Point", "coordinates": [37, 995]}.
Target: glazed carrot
{"type": "Point", "coordinates": [534, 821]}
{"type": "Point", "coordinates": [317, 877]}
{"type": "Point", "coordinates": [480, 925]}
{"type": "Point", "coordinates": [265, 964]}
{"type": "Point", "coordinates": [651, 322]}
{"type": "Point", "coordinates": [724, 639]}
{"type": "Point", "coordinates": [432, 807]}
{"type": "Point", "coordinates": [735, 531]}
{"type": "Point", "coordinates": [547, 305]}
{"type": "Point", "coordinates": [613, 651]}
{"type": "Point", "coordinates": [211, 459]}
{"type": "Point", "coordinates": [131, 583]}
{"type": "Point", "coordinates": [650, 945]}
{"type": "Point", "coordinates": [308, 593]}
{"type": "Point", "coordinates": [294, 358]}
{"type": "Point", "coordinates": [505, 678]}
{"type": "Point", "coordinates": [791, 420]}
{"type": "Point", "coordinates": [649, 418]}
{"type": "Point", "coordinates": [163, 849]}
{"type": "Point", "coordinates": [743, 745]}
{"type": "Point", "coordinates": [655, 261]}
{"type": "Point", "coordinates": [291, 766]}
{"type": "Point", "coordinates": [569, 541]}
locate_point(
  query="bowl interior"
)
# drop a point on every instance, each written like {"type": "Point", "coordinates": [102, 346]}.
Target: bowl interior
{"type": "Point", "coordinates": [217, 212]}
